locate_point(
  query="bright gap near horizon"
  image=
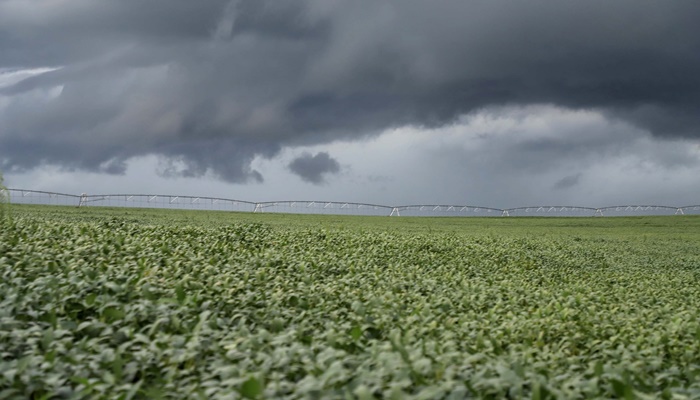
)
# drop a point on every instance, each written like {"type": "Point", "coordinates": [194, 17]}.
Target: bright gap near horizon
{"type": "Point", "coordinates": [498, 157]}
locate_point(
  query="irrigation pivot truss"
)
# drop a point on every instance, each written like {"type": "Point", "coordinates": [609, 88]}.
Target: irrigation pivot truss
{"type": "Point", "coordinates": [25, 196]}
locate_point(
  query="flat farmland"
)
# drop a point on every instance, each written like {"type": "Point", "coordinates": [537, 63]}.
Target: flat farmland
{"type": "Point", "coordinates": [147, 304]}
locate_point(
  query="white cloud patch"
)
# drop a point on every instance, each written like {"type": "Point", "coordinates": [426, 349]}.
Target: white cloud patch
{"type": "Point", "coordinates": [9, 77]}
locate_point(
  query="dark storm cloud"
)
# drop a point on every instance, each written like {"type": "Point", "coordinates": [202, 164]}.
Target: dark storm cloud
{"type": "Point", "coordinates": [215, 84]}
{"type": "Point", "coordinates": [314, 169]}
{"type": "Point", "coordinates": [567, 182]}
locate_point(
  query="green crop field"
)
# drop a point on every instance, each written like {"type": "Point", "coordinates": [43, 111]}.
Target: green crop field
{"type": "Point", "coordinates": [126, 304]}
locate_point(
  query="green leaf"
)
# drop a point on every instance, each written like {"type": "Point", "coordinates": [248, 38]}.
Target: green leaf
{"type": "Point", "coordinates": [180, 294]}
{"type": "Point", "coordinates": [362, 392]}
{"type": "Point", "coordinates": [540, 392]}
{"type": "Point", "coordinates": [113, 313]}
{"type": "Point", "coordinates": [251, 388]}
{"type": "Point", "coordinates": [133, 390]}
{"type": "Point", "coordinates": [90, 299]}
{"type": "Point", "coordinates": [9, 393]}
{"type": "Point", "coordinates": [356, 332]}
{"type": "Point", "coordinates": [118, 366]}
{"type": "Point", "coordinates": [599, 369]}
{"type": "Point", "coordinates": [622, 390]}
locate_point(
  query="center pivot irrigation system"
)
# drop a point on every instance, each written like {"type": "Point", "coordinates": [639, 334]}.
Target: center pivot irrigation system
{"type": "Point", "coordinates": [24, 196]}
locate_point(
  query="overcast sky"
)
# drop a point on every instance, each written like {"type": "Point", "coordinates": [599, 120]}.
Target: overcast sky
{"type": "Point", "coordinates": [493, 103]}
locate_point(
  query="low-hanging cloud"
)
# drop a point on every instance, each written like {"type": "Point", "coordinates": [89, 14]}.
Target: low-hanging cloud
{"type": "Point", "coordinates": [567, 182]}
{"type": "Point", "coordinates": [314, 168]}
{"type": "Point", "coordinates": [214, 85]}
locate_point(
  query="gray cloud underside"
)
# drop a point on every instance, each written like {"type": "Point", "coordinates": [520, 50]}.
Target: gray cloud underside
{"type": "Point", "coordinates": [215, 84]}
{"type": "Point", "coordinates": [314, 169]}
{"type": "Point", "coordinates": [567, 182]}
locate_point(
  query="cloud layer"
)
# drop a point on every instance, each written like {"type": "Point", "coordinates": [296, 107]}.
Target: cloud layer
{"type": "Point", "coordinates": [493, 157]}
{"type": "Point", "coordinates": [212, 86]}
{"type": "Point", "coordinates": [314, 169]}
